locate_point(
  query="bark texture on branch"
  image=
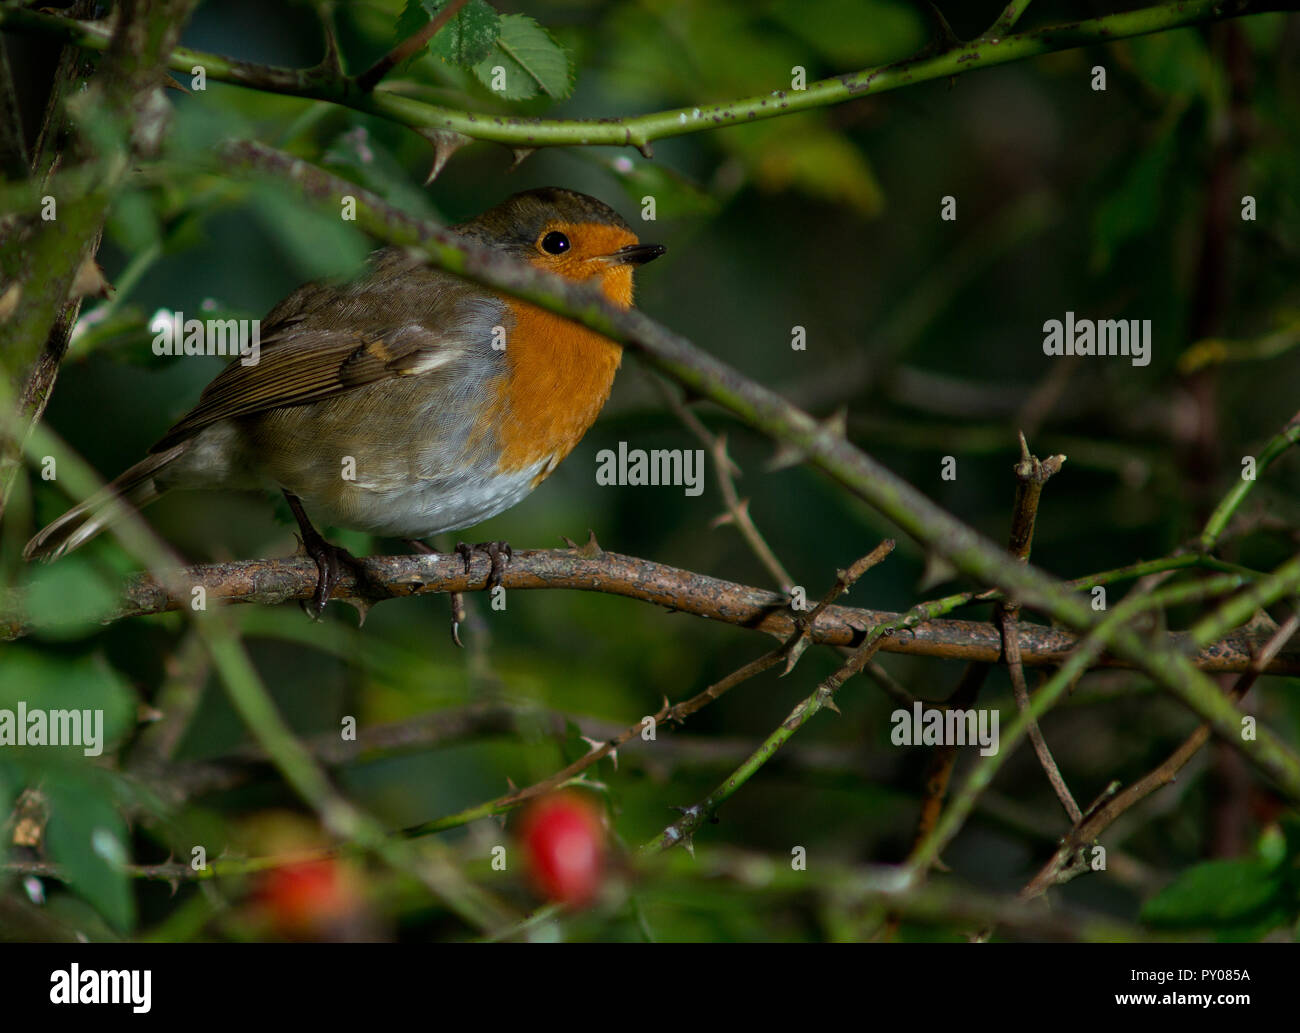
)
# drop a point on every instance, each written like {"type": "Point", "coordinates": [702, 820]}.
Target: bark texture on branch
{"type": "Point", "coordinates": [271, 581]}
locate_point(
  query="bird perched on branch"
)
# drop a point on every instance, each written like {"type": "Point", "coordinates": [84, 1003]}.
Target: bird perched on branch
{"type": "Point", "coordinates": [407, 403]}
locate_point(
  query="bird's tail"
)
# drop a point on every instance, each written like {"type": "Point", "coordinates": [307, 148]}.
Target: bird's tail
{"type": "Point", "coordinates": [81, 523]}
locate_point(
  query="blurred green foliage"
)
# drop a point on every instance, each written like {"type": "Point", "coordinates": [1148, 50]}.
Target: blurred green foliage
{"type": "Point", "coordinates": [929, 332]}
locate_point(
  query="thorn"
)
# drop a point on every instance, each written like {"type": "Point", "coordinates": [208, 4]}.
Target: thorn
{"type": "Point", "coordinates": [446, 142]}
{"type": "Point", "coordinates": [362, 606]}
{"type": "Point", "coordinates": [786, 455]}
{"type": "Point", "coordinates": [829, 704]}
{"type": "Point", "coordinates": [330, 62]}
{"type": "Point", "coordinates": [796, 651]}
{"type": "Point", "coordinates": [722, 520]}
{"type": "Point", "coordinates": [90, 281]}
{"type": "Point", "coordinates": [510, 784]}
{"type": "Point", "coordinates": [9, 300]}
{"type": "Point", "coordinates": [689, 844]}
{"type": "Point", "coordinates": [837, 423]}
{"type": "Point", "coordinates": [590, 549]}
{"type": "Point", "coordinates": [646, 150]}
{"type": "Point", "coordinates": [941, 34]}
{"type": "Point", "coordinates": [721, 449]}
{"type": "Point", "coordinates": [937, 571]}
{"type": "Point", "coordinates": [521, 154]}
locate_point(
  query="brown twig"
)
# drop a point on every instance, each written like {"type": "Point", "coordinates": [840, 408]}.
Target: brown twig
{"type": "Point", "coordinates": [1111, 805]}
{"type": "Point", "coordinates": [371, 77]}
{"type": "Point", "coordinates": [273, 581]}
{"type": "Point", "coordinates": [679, 712]}
{"type": "Point", "coordinates": [737, 513]}
{"type": "Point", "coordinates": [1031, 474]}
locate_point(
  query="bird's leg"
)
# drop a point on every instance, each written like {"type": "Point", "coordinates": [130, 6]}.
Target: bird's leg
{"type": "Point", "coordinates": [499, 553]}
{"type": "Point", "coordinates": [457, 599]}
{"type": "Point", "coordinates": [326, 555]}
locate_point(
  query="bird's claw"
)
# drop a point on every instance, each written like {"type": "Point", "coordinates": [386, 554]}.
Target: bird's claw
{"type": "Point", "coordinates": [499, 553]}
{"type": "Point", "coordinates": [329, 561]}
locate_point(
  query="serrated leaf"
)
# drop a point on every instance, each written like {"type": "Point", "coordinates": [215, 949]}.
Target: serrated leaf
{"type": "Point", "coordinates": [525, 62]}
{"type": "Point", "coordinates": [1215, 893]}
{"type": "Point", "coordinates": [467, 38]}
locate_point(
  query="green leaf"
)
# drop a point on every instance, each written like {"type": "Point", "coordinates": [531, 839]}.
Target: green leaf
{"type": "Point", "coordinates": [89, 839]}
{"type": "Point", "coordinates": [854, 33]}
{"type": "Point", "coordinates": [526, 62]}
{"type": "Point", "coordinates": [467, 38]}
{"type": "Point", "coordinates": [1176, 63]}
{"type": "Point", "coordinates": [812, 159]}
{"type": "Point", "coordinates": [52, 682]}
{"type": "Point", "coordinates": [1215, 893]}
{"type": "Point", "coordinates": [364, 160]}
{"type": "Point", "coordinates": [10, 780]}
{"type": "Point", "coordinates": [133, 222]}
{"type": "Point", "coordinates": [67, 600]}
{"type": "Point", "coordinates": [675, 195]}
{"type": "Point", "coordinates": [321, 245]}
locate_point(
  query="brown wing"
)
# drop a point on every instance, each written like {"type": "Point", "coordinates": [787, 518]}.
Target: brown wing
{"type": "Point", "coordinates": [321, 342]}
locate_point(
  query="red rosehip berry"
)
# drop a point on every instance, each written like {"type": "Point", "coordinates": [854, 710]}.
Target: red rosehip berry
{"type": "Point", "coordinates": [564, 843]}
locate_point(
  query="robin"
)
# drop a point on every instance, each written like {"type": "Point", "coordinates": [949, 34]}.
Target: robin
{"type": "Point", "coordinates": [407, 403]}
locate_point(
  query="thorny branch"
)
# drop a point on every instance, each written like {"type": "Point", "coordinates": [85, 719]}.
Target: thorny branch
{"type": "Point", "coordinates": [273, 581]}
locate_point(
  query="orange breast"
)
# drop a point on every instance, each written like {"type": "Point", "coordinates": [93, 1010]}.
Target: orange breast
{"type": "Point", "coordinates": [559, 376]}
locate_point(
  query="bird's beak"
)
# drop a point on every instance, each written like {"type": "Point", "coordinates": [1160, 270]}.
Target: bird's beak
{"type": "Point", "coordinates": [635, 254]}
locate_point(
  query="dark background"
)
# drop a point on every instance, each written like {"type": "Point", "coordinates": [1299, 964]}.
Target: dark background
{"type": "Point", "coordinates": [928, 331]}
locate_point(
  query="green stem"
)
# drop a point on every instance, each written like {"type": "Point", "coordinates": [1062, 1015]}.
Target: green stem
{"type": "Point", "coordinates": [429, 864]}
{"type": "Point", "coordinates": [1238, 610]}
{"type": "Point", "coordinates": [1223, 512]}
{"type": "Point", "coordinates": [323, 83]}
{"type": "Point", "coordinates": [1007, 21]}
{"type": "Point", "coordinates": [823, 444]}
{"type": "Point", "coordinates": [986, 768]}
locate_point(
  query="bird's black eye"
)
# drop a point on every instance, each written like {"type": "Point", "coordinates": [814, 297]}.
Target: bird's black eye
{"type": "Point", "coordinates": [555, 243]}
